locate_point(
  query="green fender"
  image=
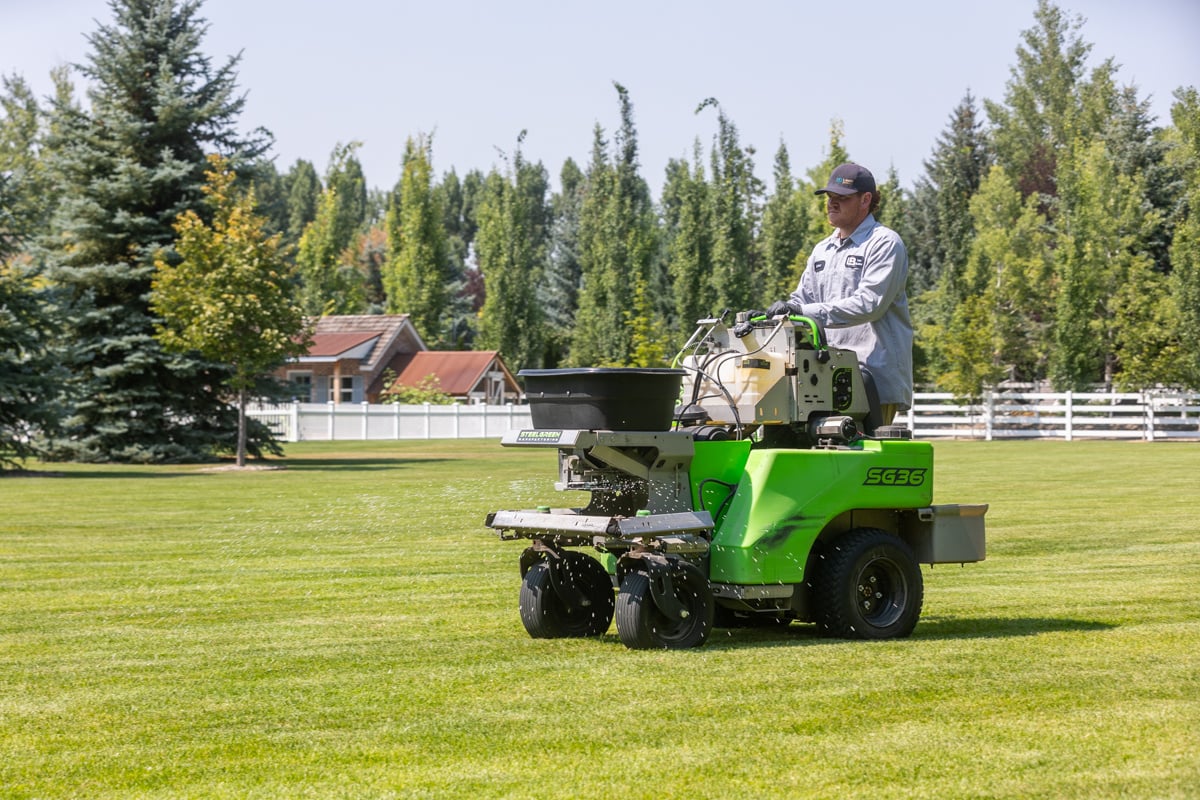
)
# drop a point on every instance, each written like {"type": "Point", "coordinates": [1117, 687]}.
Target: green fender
{"type": "Point", "coordinates": [784, 499]}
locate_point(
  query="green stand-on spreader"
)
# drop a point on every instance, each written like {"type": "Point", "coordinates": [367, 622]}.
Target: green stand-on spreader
{"type": "Point", "coordinates": [753, 484]}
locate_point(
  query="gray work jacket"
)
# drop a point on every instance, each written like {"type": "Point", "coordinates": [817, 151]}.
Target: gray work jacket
{"type": "Point", "coordinates": [855, 288]}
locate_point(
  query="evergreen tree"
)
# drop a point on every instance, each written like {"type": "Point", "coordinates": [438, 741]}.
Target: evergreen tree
{"type": "Point", "coordinates": [618, 241]}
{"type": "Point", "coordinates": [228, 296]}
{"type": "Point", "coordinates": [687, 217]}
{"type": "Point", "coordinates": [1139, 148]}
{"type": "Point", "coordinates": [124, 169]}
{"type": "Point", "coordinates": [735, 198]}
{"type": "Point", "coordinates": [785, 220]}
{"type": "Point", "coordinates": [511, 248]}
{"type": "Point", "coordinates": [303, 197]}
{"type": "Point", "coordinates": [29, 196]}
{"type": "Point", "coordinates": [418, 259]}
{"type": "Point", "coordinates": [939, 239]}
{"type": "Point", "coordinates": [1044, 107]}
{"type": "Point", "coordinates": [449, 194]}
{"type": "Point", "coordinates": [894, 205]}
{"type": "Point", "coordinates": [471, 294]}
{"type": "Point", "coordinates": [458, 199]}
{"type": "Point", "coordinates": [345, 177]}
{"type": "Point", "coordinates": [270, 192]}
{"type": "Point", "coordinates": [923, 260]}
{"type": "Point", "coordinates": [559, 292]}
{"type": "Point", "coordinates": [940, 234]}
{"type": "Point", "coordinates": [816, 178]}
{"type": "Point", "coordinates": [29, 371]}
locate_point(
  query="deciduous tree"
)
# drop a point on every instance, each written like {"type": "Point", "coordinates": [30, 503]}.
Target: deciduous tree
{"type": "Point", "coordinates": [1106, 281]}
{"type": "Point", "coordinates": [329, 285]}
{"type": "Point", "coordinates": [228, 295]}
{"type": "Point", "coordinates": [1184, 281]}
{"type": "Point", "coordinates": [418, 260]}
{"type": "Point", "coordinates": [999, 328]}
{"type": "Point", "coordinates": [325, 259]}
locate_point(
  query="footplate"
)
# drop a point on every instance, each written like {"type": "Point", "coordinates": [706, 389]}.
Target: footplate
{"type": "Point", "coordinates": [571, 529]}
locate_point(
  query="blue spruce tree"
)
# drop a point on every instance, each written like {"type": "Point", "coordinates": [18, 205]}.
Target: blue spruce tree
{"type": "Point", "coordinates": [126, 164]}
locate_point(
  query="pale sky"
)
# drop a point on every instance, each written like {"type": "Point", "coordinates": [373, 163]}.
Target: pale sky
{"type": "Point", "coordinates": [475, 74]}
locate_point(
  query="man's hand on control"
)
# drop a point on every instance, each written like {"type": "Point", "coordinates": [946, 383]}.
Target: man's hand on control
{"type": "Point", "coordinates": [778, 308]}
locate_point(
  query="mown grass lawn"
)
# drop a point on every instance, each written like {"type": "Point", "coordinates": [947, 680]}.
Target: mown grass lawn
{"type": "Point", "coordinates": [346, 627]}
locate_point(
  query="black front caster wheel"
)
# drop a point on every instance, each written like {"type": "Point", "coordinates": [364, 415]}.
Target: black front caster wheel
{"type": "Point", "coordinates": [665, 609]}
{"type": "Point", "coordinates": [570, 598]}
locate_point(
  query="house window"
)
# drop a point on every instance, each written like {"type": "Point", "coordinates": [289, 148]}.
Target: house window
{"type": "Point", "coordinates": [302, 383]}
{"type": "Point", "coordinates": [342, 391]}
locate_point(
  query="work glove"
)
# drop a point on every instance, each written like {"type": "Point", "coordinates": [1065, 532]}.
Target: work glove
{"type": "Point", "coordinates": [777, 308]}
{"type": "Point", "coordinates": [741, 329]}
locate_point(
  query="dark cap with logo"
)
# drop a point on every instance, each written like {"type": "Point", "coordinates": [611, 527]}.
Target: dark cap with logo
{"type": "Point", "coordinates": [849, 179]}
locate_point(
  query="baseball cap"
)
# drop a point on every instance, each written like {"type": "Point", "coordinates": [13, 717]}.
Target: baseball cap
{"type": "Point", "coordinates": [848, 179]}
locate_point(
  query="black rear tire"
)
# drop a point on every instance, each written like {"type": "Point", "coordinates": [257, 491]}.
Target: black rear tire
{"type": "Point", "coordinates": [869, 587]}
{"type": "Point", "coordinates": [546, 615]}
{"type": "Point", "coordinates": [643, 626]}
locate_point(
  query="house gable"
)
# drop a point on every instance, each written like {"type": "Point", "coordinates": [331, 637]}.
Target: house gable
{"type": "Point", "coordinates": [466, 375]}
{"type": "Point", "coordinates": [348, 355]}
{"type": "Point", "coordinates": [341, 346]}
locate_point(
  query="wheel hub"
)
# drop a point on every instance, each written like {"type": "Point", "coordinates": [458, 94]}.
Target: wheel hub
{"type": "Point", "coordinates": [880, 590]}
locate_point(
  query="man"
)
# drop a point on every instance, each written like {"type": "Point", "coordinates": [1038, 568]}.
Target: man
{"type": "Point", "coordinates": [854, 287]}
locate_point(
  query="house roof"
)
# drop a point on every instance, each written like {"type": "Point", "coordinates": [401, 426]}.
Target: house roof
{"type": "Point", "coordinates": [347, 336]}
{"type": "Point", "coordinates": [458, 371]}
{"type": "Point", "coordinates": [341, 345]}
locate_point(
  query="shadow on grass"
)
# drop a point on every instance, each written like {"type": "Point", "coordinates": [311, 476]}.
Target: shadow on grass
{"type": "Point", "coordinates": [98, 474]}
{"type": "Point", "coordinates": [355, 464]}
{"type": "Point", "coordinates": [928, 628]}
{"type": "Point", "coordinates": [998, 627]}
{"type": "Point", "coordinates": [290, 465]}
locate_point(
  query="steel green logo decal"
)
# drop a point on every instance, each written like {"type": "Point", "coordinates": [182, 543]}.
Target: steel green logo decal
{"type": "Point", "coordinates": [895, 476]}
{"type": "Point", "coordinates": [541, 437]}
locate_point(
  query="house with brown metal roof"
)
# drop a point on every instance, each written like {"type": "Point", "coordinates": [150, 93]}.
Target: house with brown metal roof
{"type": "Point", "coordinates": [469, 376]}
{"type": "Point", "coordinates": [351, 357]}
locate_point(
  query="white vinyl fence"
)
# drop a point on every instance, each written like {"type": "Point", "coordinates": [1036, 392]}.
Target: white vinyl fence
{"type": "Point", "coordinates": [305, 422]}
{"type": "Point", "coordinates": [1147, 416]}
